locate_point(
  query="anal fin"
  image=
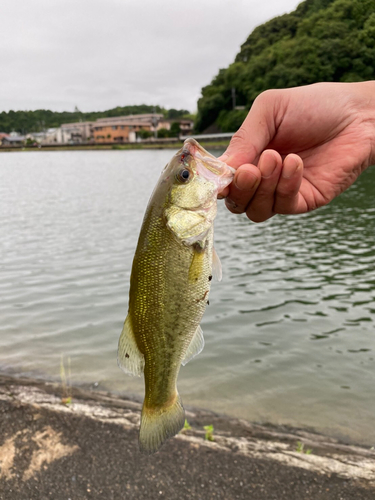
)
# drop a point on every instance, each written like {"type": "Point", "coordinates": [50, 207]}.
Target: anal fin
{"type": "Point", "coordinates": [129, 357]}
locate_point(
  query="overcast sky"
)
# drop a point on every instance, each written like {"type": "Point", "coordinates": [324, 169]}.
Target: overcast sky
{"type": "Point", "coordinates": [58, 54]}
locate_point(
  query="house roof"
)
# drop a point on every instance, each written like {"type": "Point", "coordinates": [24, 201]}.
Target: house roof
{"type": "Point", "coordinates": [17, 138]}
{"type": "Point", "coordinates": [146, 117]}
{"type": "Point", "coordinates": [76, 124]}
{"type": "Point", "coordinates": [117, 123]}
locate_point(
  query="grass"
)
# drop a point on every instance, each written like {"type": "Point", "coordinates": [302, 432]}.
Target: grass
{"type": "Point", "coordinates": [186, 427]}
{"type": "Point", "coordinates": [209, 436]}
{"type": "Point", "coordinates": [209, 430]}
{"type": "Point", "coordinates": [66, 385]}
{"type": "Point", "coordinates": [301, 448]}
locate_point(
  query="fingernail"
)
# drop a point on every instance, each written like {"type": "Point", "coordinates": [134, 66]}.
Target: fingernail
{"type": "Point", "coordinates": [220, 196]}
{"type": "Point", "coordinates": [267, 168]}
{"type": "Point", "coordinates": [230, 203]}
{"type": "Point", "coordinates": [290, 168]}
{"type": "Point", "coordinates": [245, 180]}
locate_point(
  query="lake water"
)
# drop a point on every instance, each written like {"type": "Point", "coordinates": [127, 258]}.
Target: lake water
{"type": "Point", "coordinates": [289, 331]}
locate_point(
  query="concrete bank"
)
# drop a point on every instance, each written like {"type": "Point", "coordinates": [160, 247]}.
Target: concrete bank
{"type": "Point", "coordinates": [88, 450]}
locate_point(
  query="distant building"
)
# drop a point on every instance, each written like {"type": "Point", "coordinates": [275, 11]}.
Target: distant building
{"type": "Point", "coordinates": [3, 135]}
{"type": "Point", "coordinates": [49, 136]}
{"type": "Point", "coordinates": [35, 137]}
{"type": "Point", "coordinates": [13, 140]}
{"type": "Point", "coordinates": [71, 133]}
{"type": "Point", "coordinates": [118, 130]}
{"type": "Point", "coordinates": [151, 119]}
{"type": "Point", "coordinates": [126, 128]}
{"type": "Point", "coordinates": [186, 125]}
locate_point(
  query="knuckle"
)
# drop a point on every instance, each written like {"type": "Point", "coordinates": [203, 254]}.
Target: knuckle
{"type": "Point", "coordinates": [285, 204]}
{"type": "Point", "coordinates": [287, 189]}
{"type": "Point", "coordinates": [269, 95]}
{"type": "Point", "coordinates": [241, 141]}
{"type": "Point", "coordinates": [285, 193]}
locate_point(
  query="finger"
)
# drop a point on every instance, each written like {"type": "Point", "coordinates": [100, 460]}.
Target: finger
{"type": "Point", "coordinates": [261, 206]}
{"type": "Point", "coordinates": [224, 193]}
{"type": "Point", "coordinates": [244, 185]}
{"type": "Point", "coordinates": [255, 133]}
{"type": "Point", "coordinates": [287, 191]}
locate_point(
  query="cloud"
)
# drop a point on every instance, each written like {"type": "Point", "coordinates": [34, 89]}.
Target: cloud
{"type": "Point", "coordinates": [101, 54]}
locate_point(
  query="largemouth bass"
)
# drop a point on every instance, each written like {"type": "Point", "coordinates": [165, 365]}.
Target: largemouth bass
{"type": "Point", "coordinates": [169, 286]}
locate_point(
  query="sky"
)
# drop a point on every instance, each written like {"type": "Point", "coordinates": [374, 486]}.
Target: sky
{"type": "Point", "coordinates": [96, 55]}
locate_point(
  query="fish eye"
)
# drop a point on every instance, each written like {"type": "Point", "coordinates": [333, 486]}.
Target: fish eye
{"type": "Point", "coordinates": [183, 175]}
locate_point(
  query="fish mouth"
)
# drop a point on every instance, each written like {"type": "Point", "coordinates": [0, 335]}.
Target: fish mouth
{"type": "Point", "coordinates": [207, 165]}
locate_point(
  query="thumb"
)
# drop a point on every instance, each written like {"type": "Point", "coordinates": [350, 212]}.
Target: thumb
{"type": "Point", "coordinates": [254, 134]}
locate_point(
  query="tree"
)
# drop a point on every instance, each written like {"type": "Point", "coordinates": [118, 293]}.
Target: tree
{"type": "Point", "coordinates": [163, 133]}
{"type": "Point", "coordinates": [322, 40]}
{"type": "Point", "coordinates": [144, 134]}
{"type": "Point", "coordinates": [38, 120]}
{"type": "Point", "coordinates": [172, 113]}
{"type": "Point", "coordinates": [175, 130]}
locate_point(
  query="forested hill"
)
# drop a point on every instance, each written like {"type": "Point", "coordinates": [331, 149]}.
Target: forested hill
{"type": "Point", "coordinates": [322, 40]}
{"type": "Point", "coordinates": [35, 121]}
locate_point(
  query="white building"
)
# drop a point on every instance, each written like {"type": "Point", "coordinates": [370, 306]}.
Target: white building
{"type": "Point", "coordinates": [70, 133]}
{"type": "Point", "coordinates": [48, 136]}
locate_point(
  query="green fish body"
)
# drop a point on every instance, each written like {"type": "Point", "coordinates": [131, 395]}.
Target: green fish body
{"type": "Point", "coordinates": [170, 282]}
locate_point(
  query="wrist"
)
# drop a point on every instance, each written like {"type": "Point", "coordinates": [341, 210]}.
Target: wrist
{"type": "Point", "coordinates": [366, 93]}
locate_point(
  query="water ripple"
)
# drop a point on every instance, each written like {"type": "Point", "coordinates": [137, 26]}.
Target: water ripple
{"type": "Point", "coordinates": [287, 330]}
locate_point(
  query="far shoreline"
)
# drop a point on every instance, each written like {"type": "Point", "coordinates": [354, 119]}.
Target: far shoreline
{"type": "Point", "coordinates": [213, 145]}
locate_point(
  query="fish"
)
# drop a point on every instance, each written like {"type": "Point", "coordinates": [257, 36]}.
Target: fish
{"type": "Point", "coordinates": [172, 269]}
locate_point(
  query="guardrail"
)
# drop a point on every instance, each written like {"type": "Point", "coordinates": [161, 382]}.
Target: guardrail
{"type": "Point", "coordinates": [218, 136]}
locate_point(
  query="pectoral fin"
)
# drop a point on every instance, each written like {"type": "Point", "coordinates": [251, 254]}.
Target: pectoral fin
{"type": "Point", "coordinates": [129, 357]}
{"type": "Point", "coordinates": [217, 272]}
{"type": "Point", "coordinates": [188, 226]}
{"type": "Point", "coordinates": [195, 347]}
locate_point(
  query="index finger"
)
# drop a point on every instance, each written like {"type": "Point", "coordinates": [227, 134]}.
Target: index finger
{"type": "Point", "coordinates": [255, 133]}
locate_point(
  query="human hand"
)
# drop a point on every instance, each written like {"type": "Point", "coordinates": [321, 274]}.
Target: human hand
{"type": "Point", "coordinates": [299, 148]}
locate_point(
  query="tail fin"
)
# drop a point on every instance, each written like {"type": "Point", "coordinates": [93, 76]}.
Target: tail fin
{"type": "Point", "coordinates": [159, 425]}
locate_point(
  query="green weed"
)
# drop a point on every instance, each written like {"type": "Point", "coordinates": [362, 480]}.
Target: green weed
{"type": "Point", "coordinates": [65, 382]}
{"type": "Point", "coordinates": [301, 449]}
{"type": "Point", "coordinates": [209, 436]}
{"type": "Point", "coordinates": [187, 426]}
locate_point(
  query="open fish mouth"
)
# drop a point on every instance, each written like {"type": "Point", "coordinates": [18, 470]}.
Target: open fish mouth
{"type": "Point", "coordinates": [208, 166]}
